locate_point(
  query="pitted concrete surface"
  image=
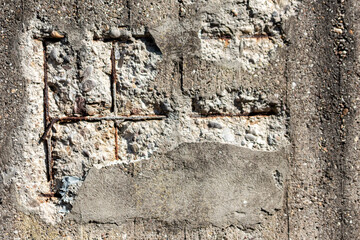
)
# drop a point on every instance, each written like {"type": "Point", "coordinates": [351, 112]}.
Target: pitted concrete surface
{"type": "Point", "coordinates": [247, 78]}
{"type": "Point", "coordinates": [171, 69]}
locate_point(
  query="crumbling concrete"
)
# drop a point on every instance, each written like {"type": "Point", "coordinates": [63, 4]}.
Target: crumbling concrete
{"type": "Point", "coordinates": [116, 72]}
{"type": "Point", "coordinates": [208, 89]}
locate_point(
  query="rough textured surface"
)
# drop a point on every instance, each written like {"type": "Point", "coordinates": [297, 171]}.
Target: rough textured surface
{"type": "Point", "coordinates": [291, 66]}
{"type": "Point", "coordinates": [117, 70]}
{"type": "Point", "coordinates": [220, 185]}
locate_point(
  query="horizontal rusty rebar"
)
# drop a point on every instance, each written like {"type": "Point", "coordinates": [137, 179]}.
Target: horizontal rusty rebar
{"type": "Point", "coordinates": [231, 115]}
{"type": "Point", "coordinates": [134, 118]}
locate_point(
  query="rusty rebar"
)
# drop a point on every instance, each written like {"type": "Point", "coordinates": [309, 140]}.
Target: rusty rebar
{"type": "Point", "coordinates": [113, 79]}
{"type": "Point", "coordinates": [247, 115]}
{"type": "Point", "coordinates": [256, 36]}
{"type": "Point", "coordinates": [47, 123]}
{"type": "Point", "coordinates": [132, 118]}
{"type": "Point", "coordinates": [50, 160]}
{"type": "Point", "coordinates": [113, 91]}
{"type": "Point", "coordinates": [46, 88]}
{"type": "Point", "coordinates": [114, 76]}
{"type": "Point", "coordinates": [97, 119]}
{"type": "Point", "coordinates": [48, 128]}
{"type": "Point", "coordinates": [116, 142]}
{"type": "Point", "coordinates": [48, 194]}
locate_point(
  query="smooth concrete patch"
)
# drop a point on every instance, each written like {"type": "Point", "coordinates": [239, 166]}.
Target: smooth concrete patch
{"type": "Point", "coordinates": [197, 183]}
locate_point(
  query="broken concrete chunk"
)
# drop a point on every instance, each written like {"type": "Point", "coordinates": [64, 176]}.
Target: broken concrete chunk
{"type": "Point", "coordinates": [137, 73]}
{"type": "Point", "coordinates": [236, 33]}
{"type": "Point", "coordinates": [220, 185]}
{"type": "Point", "coordinates": [93, 85]}
{"type": "Point", "coordinates": [88, 85]}
{"type": "Point", "coordinates": [77, 147]}
{"type": "Point", "coordinates": [88, 72]}
{"type": "Point", "coordinates": [54, 54]}
{"type": "Point", "coordinates": [213, 124]}
{"type": "Point", "coordinates": [114, 32]}
{"type": "Point", "coordinates": [119, 33]}
{"type": "Point", "coordinates": [250, 137]}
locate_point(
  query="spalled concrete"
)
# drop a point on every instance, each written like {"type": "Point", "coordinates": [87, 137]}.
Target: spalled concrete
{"type": "Point", "coordinates": [248, 77]}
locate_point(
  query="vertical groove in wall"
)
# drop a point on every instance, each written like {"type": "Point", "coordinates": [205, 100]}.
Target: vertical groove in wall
{"type": "Point", "coordinates": [292, 150]}
{"type": "Point", "coordinates": [334, 91]}
{"type": "Point", "coordinates": [349, 117]}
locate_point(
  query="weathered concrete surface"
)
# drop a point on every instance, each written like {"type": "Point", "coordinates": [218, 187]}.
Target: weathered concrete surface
{"type": "Point", "coordinates": [315, 74]}
{"type": "Point", "coordinates": [322, 81]}
{"type": "Point", "coordinates": [161, 67]}
{"type": "Point", "coordinates": [196, 184]}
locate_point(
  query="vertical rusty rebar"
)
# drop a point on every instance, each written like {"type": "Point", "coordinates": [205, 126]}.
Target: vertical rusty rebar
{"type": "Point", "coordinates": [113, 93]}
{"type": "Point", "coordinates": [46, 89]}
{"type": "Point", "coordinates": [113, 79]}
{"type": "Point", "coordinates": [49, 163]}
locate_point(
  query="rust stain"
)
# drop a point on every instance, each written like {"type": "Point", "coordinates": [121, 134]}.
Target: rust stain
{"type": "Point", "coordinates": [113, 78]}
{"type": "Point", "coordinates": [46, 88]}
{"type": "Point", "coordinates": [48, 128]}
{"type": "Point", "coordinates": [135, 111]}
{"type": "Point", "coordinates": [227, 43]}
{"type": "Point", "coordinates": [112, 118]}
{"type": "Point", "coordinates": [258, 37]}
{"type": "Point", "coordinates": [47, 123]}
{"type": "Point", "coordinates": [47, 195]}
{"type": "Point", "coordinates": [116, 142]}
{"type": "Point", "coordinates": [213, 116]}
{"type": "Point", "coordinates": [252, 121]}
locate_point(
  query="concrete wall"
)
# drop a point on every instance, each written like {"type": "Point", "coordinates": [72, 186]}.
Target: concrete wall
{"type": "Point", "coordinates": [179, 119]}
